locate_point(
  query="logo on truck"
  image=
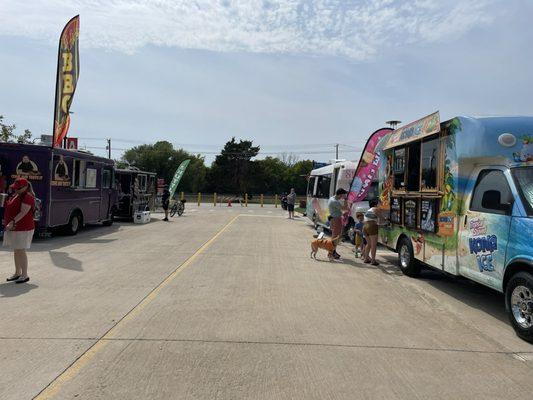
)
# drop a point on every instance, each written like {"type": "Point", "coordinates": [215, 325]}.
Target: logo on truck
{"type": "Point", "coordinates": [483, 247]}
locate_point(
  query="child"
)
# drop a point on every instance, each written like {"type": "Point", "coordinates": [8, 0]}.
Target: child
{"type": "Point", "coordinates": [360, 240]}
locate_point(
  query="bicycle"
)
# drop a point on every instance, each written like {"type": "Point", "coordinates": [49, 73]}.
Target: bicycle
{"type": "Point", "coordinates": [178, 208]}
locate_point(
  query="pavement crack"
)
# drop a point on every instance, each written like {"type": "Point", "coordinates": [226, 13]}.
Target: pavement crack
{"type": "Point", "coordinates": [317, 344]}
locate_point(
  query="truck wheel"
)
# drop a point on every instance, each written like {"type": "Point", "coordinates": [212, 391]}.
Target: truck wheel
{"type": "Point", "coordinates": [74, 224]}
{"type": "Point", "coordinates": [519, 299]}
{"type": "Point", "coordinates": [406, 258]}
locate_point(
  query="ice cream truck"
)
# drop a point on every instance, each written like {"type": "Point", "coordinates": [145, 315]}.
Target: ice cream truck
{"type": "Point", "coordinates": [460, 199]}
{"type": "Point", "coordinates": [72, 187]}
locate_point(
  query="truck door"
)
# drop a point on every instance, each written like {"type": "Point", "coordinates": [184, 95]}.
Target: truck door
{"type": "Point", "coordinates": [484, 230]}
{"type": "Point", "coordinates": [107, 192]}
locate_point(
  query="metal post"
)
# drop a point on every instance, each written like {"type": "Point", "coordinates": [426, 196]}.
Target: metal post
{"type": "Point", "coordinates": [199, 198]}
{"type": "Point", "coordinates": [246, 199]}
{"type": "Point", "coordinates": [214, 199]}
{"type": "Point", "coordinates": [337, 151]}
{"type": "Point", "coordinates": [262, 199]}
{"type": "Point", "coordinates": [276, 201]}
{"type": "Point", "coordinates": [109, 148]}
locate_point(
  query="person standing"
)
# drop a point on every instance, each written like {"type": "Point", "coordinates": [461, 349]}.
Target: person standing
{"type": "Point", "coordinates": [336, 207]}
{"type": "Point", "coordinates": [291, 200]}
{"type": "Point", "coordinates": [19, 227]}
{"type": "Point", "coordinates": [370, 230]}
{"type": "Point", "coordinates": [165, 202]}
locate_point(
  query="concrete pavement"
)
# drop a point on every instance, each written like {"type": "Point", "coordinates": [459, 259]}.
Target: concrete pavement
{"type": "Point", "coordinates": [226, 303]}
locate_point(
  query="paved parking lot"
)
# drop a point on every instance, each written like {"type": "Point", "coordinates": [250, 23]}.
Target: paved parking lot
{"type": "Point", "coordinates": [225, 303]}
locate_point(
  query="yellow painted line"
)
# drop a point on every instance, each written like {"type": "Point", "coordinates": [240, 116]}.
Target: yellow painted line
{"type": "Point", "coordinates": [74, 369]}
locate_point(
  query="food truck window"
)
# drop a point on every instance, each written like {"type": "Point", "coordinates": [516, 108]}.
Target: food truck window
{"type": "Point", "coordinates": [430, 162]}
{"type": "Point", "coordinates": [79, 174]}
{"type": "Point", "coordinates": [399, 168]}
{"type": "Point", "coordinates": [142, 183]}
{"type": "Point", "coordinates": [311, 186]}
{"type": "Point", "coordinates": [492, 193]}
{"type": "Point", "coordinates": [90, 178]}
{"type": "Point", "coordinates": [413, 167]}
{"type": "Point", "coordinates": [106, 179]}
{"type": "Point", "coordinates": [324, 183]}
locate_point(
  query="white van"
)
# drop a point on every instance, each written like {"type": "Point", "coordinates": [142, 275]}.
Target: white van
{"type": "Point", "coordinates": [322, 184]}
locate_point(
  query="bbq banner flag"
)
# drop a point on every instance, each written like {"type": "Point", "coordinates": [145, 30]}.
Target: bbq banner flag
{"type": "Point", "coordinates": [177, 177]}
{"type": "Point", "coordinates": [68, 68]}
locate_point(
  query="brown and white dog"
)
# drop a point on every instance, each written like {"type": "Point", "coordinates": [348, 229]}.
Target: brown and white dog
{"type": "Point", "coordinates": [327, 244]}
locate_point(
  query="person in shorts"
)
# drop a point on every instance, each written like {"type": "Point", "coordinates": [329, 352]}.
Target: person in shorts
{"type": "Point", "coordinates": [19, 227]}
{"type": "Point", "coordinates": [336, 207]}
{"type": "Point", "coordinates": [291, 200]}
{"type": "Point", "coordinates": [370, 230]}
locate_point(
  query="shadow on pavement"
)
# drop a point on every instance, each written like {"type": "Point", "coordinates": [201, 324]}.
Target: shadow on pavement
{"type": "Point", "coordinates": [62, 259]}
{"type": "Point", "coordinates": [10, 289]}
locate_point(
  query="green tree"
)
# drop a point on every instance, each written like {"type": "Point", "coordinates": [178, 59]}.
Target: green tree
{"type": "Point", "coordinates": [231, 172]}
{"type": "Point", "coordinates": [297, 176]}
{"type": "Point", "coordinates": [269, 176]}
{"type": "Point", "coordinates": [7, 133]}
{"type": "Point", "coordinates": [163, 159]}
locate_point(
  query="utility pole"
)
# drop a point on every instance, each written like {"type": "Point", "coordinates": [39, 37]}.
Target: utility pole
{"type": "Point", "coordinates": [108, 148]}
{"type": "Point", "coordinates": [337, 151]}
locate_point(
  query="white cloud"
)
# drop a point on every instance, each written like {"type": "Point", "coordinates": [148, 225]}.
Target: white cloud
{"type": "Point", "coordinates": [357, 29]}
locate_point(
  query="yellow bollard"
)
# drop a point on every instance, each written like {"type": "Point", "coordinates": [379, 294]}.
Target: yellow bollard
{"type": "Point", "coordinates": [276, 201]}
{"type": "Point", "coordinates": [182, 196]}
{"type": "Point", "coordinates": [246, 199]}
{"type": "Point", "coordinates": [262, 199]}
{"type": "Point", "coordinates": [199, 198]}
{"type": "Point", "coordinates": [214, 199]}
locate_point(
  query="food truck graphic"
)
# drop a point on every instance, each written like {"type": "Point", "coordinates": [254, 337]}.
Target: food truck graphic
{"type": "Point", "coordinates": [72, 187]}
{"type": "Point", "coordinates": [460, 199]}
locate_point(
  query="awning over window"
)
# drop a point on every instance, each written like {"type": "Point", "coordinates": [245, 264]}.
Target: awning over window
{"type": "Point", "coordinates": [414, 131]}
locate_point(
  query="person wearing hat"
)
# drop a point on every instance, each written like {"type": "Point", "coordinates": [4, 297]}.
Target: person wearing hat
{"type": "Point", "coordinates": [19, 226]}
{"type": "Point", "coordinates": [336, 207]}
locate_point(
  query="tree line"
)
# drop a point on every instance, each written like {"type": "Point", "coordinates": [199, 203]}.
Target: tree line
{"type": "Point", "coordinates": [234, 171]}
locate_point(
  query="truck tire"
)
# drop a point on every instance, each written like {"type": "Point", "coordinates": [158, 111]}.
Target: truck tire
{"type": "Point", "coordinates": [74, 224]}
{"type": "Point", "coordinates": [409, 265]}
{"type": "Point", "coordinates": [519, 301]}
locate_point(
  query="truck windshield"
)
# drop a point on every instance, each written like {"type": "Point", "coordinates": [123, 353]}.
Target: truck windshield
{"type": "Point", "coordinates": [523, 178]}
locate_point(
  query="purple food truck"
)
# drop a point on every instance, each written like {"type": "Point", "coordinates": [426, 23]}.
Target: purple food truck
{"type": "Point", "coordinates": [72, 187]}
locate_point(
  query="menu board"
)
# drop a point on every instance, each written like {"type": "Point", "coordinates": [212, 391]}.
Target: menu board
{"type": "Point", "coordinates": [395, 210]}
{"type": "Point", "coordinates": [410, 212]}
{"type": "Point", "coordinates": [428, 213]}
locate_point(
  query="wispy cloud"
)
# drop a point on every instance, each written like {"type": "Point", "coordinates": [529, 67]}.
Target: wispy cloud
{"type": "Point", "coordinates": [357, 29]}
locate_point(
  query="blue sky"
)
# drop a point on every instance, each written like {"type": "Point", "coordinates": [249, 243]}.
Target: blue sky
{"type": "Point", "coordinates": [294, 76]}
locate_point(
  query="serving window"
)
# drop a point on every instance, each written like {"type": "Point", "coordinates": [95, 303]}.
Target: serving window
{"type": "Point", "coordinates": [399, 168]}
{"type": "Point", "coordinates": [430, 164]}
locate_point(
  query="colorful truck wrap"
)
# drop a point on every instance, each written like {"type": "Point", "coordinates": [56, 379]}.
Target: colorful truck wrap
{"type": "Point", "coordinates": [460, 199]}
